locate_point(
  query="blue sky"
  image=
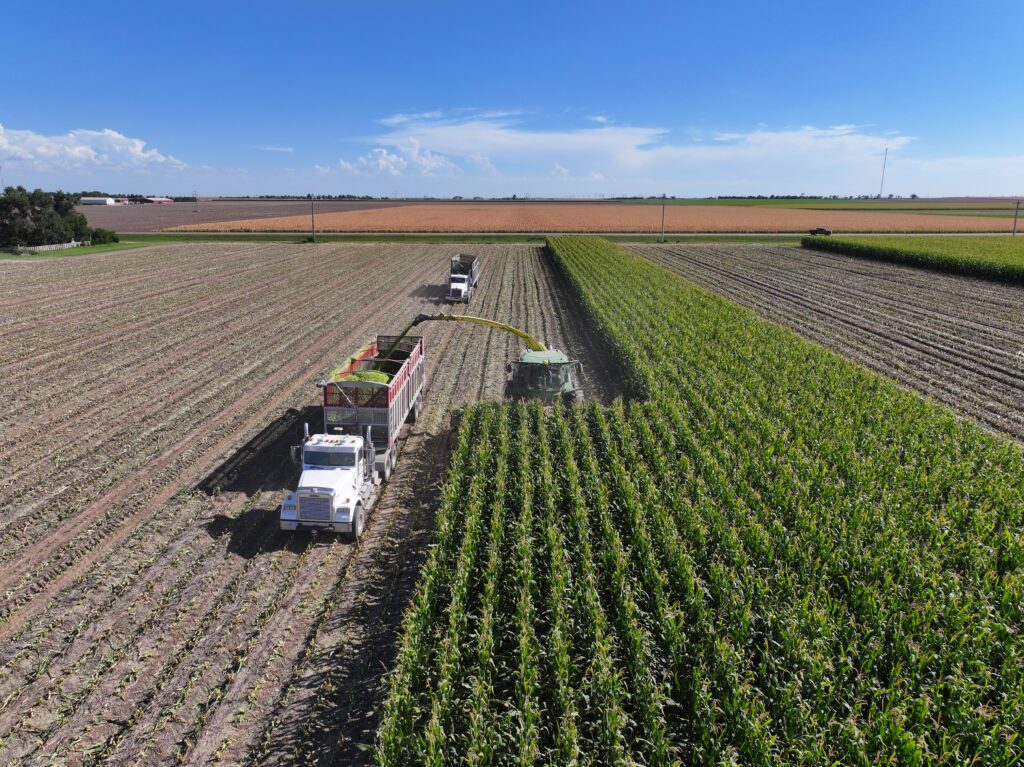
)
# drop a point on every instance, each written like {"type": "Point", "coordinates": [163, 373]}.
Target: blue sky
{"type": "Point", "coordinates": [537, 98]}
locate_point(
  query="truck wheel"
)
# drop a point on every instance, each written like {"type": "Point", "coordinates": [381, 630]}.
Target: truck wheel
{"type": "Point", "coordinates": [358, 523]}
{"type": "Point", "coordinates": [387, 468]}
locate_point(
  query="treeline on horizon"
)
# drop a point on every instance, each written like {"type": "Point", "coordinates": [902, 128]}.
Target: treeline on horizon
{"type": "Point", "coordinates": [36, 218]}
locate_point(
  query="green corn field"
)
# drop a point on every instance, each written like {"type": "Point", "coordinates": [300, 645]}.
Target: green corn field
{"type": "Point", "coordinates": [764, 555]}
{"type": "Point", "coordinates": [996, 257]}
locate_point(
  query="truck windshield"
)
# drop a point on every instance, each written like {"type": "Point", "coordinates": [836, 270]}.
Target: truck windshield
{"type": "Point", "coordinates": [458, 278]}
{"type": "Point", "coordinates": [328, 458]}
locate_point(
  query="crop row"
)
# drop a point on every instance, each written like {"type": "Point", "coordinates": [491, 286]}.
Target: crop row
{"type": "Point", "coordinates": [767, 555]}
{"type": "Point", "coordinates": [995, 258]}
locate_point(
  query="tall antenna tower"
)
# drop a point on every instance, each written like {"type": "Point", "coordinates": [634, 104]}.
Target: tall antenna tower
{"type": "Point", "coordinates": [885, 159]}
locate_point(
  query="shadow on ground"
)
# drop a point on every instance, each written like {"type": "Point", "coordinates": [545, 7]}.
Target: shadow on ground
{"type": "Point", "coordinates": [603, 377]}
{"type": "Point", "coordinates": [257, 465]}
{"type": "Point", "coordinates": [261, 466]}
{"type": "Point", "coordinates": [435, 294]}
{"type": "Point", "coordinates": [255, 532]}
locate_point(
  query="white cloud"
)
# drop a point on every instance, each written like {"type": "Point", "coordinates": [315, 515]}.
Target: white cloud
{"type": "Point", "coordinates": [839, 159]}
{"type": "Point", "coordinates": [500, 138]}
{"type": "Point", "coordinates": [482, 163]}
{"type": "Point", "coordinates": [80, 149]}
{"type": "Point", "coordinates": [282, 149]}
{"type": "Point", "coordinates": [410, 154]}
{"type": "Point", "coordinates": [428, 163]}
{"type": "Point", "coordinates": [399, 119]}
{"type": "Point", "coordinates": [378, 160]}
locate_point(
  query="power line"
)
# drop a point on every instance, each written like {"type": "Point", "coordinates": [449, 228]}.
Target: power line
{"type": "Point", "coordinates": [884, 160]}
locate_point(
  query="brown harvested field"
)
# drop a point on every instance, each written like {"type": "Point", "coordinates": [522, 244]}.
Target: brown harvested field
{"type": "Point", "coordinates": [152, 611]}
{"type": "Point", "coordinates": [609, 217]}
{"type": "Point", "coordinates": [151, 218]}
{"type": "Point", "coordinates": [957, 339]}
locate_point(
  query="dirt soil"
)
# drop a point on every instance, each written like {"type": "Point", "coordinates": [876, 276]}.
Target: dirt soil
{"type": "Point", "coordinates": [957, 339]}
{"type": "Point", "coordinates": [610, 217]}
{"type": "Point", "coordinates": [152, 612]}
{"type": "Point", "coordinates": [151, 218]}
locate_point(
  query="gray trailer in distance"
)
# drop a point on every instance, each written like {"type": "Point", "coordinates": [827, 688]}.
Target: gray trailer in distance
{"type": "Point", "coordinates": [463, 274]}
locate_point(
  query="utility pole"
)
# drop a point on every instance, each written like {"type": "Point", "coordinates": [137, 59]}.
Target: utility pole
{"type": "Point", "coordinates": [312, 222]}
{"type": "Point", "coordinates": [663, 218]}
{"type": "Point", "coordinates": [1016, 212]}
{"type": "Point", "coordinates": [885, 159]}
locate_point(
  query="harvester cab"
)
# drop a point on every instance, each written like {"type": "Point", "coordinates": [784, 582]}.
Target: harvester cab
{"type": "Point", "coordinates": [546, 375]}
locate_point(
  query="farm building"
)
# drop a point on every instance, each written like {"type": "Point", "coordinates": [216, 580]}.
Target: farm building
{"type": "Point", "coordinates": [97, 201]}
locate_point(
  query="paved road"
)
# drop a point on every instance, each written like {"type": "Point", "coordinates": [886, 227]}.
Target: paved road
{"type": "Point", "coordinates": [668, 235]}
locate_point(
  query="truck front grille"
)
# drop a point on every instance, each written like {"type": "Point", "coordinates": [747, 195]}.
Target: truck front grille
{"type": "Point", "coordinates": [315, 508]}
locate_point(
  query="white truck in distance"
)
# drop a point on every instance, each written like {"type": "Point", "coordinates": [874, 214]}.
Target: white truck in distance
{"type": "Point", "coordinates": [366, 402]}
{"type": "Point", "coordinates": [463, 275]}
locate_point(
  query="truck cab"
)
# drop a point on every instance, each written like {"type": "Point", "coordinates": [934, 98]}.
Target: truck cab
{"type": "Point", "coordinates": [458, 287]}
{"type": "Point", "coordinates": [335, 488]}
{"type": "Point", "coordinates": [463, 275]}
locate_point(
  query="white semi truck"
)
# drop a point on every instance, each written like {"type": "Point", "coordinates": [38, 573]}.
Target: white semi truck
{"type": "Point", "coordinates": [366, 402]}
{"type": "Point", "coordinates": [463, 275]}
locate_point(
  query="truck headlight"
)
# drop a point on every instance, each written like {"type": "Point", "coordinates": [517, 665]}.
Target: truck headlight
{"type": "Point", "coordinates": [342, 515]}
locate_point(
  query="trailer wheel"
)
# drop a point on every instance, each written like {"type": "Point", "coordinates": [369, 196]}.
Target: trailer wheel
{"type": "Point", "coordinates": [358, 523]}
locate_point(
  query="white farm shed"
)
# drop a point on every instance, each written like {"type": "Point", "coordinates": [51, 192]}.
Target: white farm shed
{"type": "Point", "coordinates": [97, 201]}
